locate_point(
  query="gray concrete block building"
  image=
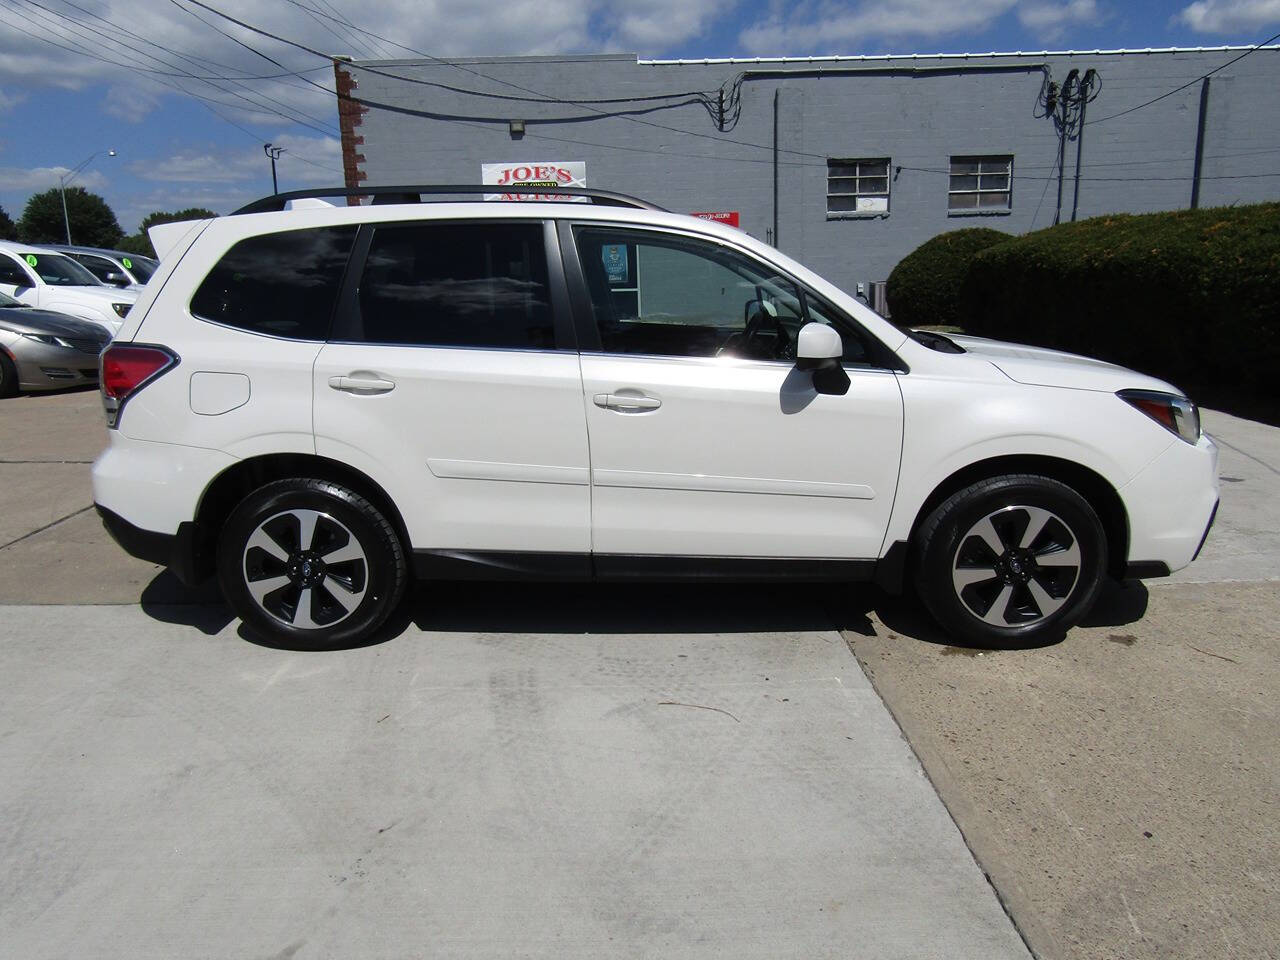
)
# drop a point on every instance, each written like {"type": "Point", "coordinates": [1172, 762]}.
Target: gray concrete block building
{"type": "Point", "coordinates": [847, 163]}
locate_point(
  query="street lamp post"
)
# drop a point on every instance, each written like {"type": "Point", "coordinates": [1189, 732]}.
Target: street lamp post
{"type": "Point", "coordinates": [67, 178]}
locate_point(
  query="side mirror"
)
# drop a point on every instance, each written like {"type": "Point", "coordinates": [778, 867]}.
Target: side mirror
{"type": "Point", "coordinates": [819, 349]}
{"type": "Point", "coordinates": [117, 279]}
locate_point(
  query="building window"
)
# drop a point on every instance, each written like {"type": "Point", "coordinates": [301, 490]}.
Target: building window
{"type": "Point", "coordinates": [857, 187]}
{"type": "Point", "coordinates": [980, 184]}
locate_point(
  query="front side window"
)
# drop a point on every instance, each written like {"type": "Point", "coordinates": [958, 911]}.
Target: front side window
{"type": "Point", "coordinates": [58, 270]}
{"type": "Point", "coordinates": [457, 285]}
{"type": "Point", "coordinates": [278, 284]}
{"type": "Point", "coordinates": [13, 274]}
{"type": "Point", "coordinates": [100, 267]}
{"type": "Point", "coordinates": [857, 187]}
{"type": "Point", "coordinates": [672, 296]}
{"type": "Point", "coordinates": [980, 183]}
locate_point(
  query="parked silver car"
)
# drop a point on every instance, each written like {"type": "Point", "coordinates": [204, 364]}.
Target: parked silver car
{"type": "Point", "coordinates": [41, 350]}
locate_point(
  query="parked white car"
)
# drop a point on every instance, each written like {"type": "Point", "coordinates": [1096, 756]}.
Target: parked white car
{"type": "Point", "coordinates": [315, 403]}
{"type": "Point", "coordinates": [117, 268]}
{"type": "Point", "coordinates": [53, 281]}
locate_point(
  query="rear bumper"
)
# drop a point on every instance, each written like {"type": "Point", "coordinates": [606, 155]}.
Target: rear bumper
{"type": "Point", "coordinates": [177, 551]}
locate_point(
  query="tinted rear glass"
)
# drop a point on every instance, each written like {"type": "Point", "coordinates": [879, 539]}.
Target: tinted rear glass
{"type": "Point", "coordinates": [453, 284]}
{"type": "Point", "coordinates": [280, 284]}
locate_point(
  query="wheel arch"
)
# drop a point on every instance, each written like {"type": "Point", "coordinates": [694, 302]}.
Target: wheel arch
{"type": "Point", "coordinates": [1100, 494]}
{"type": "Point", "coordinates": [236, 482]}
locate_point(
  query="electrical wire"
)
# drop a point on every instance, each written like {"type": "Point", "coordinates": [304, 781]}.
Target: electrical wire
{"type": "Point", "coordinates": [1189, 83]}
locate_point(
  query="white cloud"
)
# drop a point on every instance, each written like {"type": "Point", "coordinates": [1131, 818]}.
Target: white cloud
{"type": "Point", "coordinates": [42, 178]}
{"type": "Point", "coordinates": [305, 161]}
{"type": "Point", "coordinates": [832, 28]}
{"type": "Point", "coordinates": [660, 24]}
{"type": "Point", "coordinates": [1050, 19]}
{"type": "Point", "coordinates": [1229, 16]}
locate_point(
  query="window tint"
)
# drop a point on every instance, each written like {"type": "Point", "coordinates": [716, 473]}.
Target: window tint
{"type": "Point", "coordinates": [100, 267]}
{"type": "Point", "coordinates": [280, 284]}
{"type": "Point", "coordinates": [452, 284]}
{"type": "Point", "coordinates": [10, 272]}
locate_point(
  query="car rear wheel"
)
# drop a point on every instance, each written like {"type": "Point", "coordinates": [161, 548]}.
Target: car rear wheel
{"type": "Point", "coordinates": [1010, 561]}
{"type": "Point", "coordinates": [309, 563]}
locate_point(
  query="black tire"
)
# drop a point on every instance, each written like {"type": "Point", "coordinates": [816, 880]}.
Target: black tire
{"type": "Point", "coordinates": [1054, 559]}
{"type": "Point", "coordinates": [8, 376]}
{"type": "Point", "coordinates": [305, 598]}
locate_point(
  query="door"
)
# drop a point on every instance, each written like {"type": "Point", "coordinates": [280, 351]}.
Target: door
{"type": "Point", "coordinates": [452, 379]}
{"type": "Point", "coordinates": [705, 439]}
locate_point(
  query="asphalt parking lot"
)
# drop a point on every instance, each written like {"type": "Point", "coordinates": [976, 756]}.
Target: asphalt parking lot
{"type": "Point", "coordinates": [686, 772]}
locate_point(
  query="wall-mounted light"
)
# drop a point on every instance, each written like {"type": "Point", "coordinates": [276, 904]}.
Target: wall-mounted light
{"type": "Point", "coordinates": [515, 128]}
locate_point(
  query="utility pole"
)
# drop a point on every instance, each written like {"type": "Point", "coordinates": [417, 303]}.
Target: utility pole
{"type": "Point", "coordinates": [274, 154]}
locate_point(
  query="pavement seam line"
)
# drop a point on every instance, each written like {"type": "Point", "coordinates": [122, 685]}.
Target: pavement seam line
{"type": "Point", "coordinates": [46, 461]}
{"type": "Point", "coordinates": [74, 513]}
{"type": "Point", "coordinates": [932, 777]}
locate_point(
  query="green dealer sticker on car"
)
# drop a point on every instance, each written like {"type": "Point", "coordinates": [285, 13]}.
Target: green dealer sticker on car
{"type": "Point", "coordinates": [31, 260]}
{"type": "Point", "coordinates": [128, 264]}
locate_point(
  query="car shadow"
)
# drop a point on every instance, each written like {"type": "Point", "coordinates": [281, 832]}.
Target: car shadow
{"type": "Point", "coordinates": [629, 608]}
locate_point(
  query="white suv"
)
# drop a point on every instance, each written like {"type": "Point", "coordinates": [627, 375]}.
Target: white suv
{"type": "Point", "coordinates": [314, 403]}
{"type": "Point", "coordinates": [43, 278]}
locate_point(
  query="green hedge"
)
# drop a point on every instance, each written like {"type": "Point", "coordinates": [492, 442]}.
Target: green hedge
{"type": "Point", "coordinates": [924, 289]}
{"type": "Point", "coordinates": [1190, 296]}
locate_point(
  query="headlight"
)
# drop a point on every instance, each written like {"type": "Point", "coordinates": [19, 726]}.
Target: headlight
{"type": "Point", "coordinates": [47, 339]}
{"type": "Point", "coordinates": [1176, 414]}
{"type": "Point", "coordinates": [121, 309]}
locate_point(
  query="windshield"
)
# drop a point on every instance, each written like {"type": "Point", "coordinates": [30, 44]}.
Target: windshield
{"type": "Point", "coordinates": [8, 301]}
{"type": "Point", "coordinates": [141, 267]}
{"type": "Point", "coordinates": [59, 271]}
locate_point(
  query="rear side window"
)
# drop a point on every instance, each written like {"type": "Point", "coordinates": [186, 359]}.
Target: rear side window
{"type": "Point", "coordinates": [279, 284]}
{"type": "Point", "coordinates": [456, 285]}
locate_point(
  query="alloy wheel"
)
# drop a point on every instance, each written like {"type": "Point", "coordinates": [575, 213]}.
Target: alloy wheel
{"type": "Point", "coordinates": [305, 568]}
{"type": "Point", "coordinates": [1016, 566]}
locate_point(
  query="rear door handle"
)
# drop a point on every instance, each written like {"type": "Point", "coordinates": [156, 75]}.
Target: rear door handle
{"type": "Point", "coordinates": [622, 401]}
{"type": "Point", "coordinates": [362, 385]}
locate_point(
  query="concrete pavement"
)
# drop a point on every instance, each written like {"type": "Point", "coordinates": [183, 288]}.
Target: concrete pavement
{"type": "Point", "coordinates": [171, 790]}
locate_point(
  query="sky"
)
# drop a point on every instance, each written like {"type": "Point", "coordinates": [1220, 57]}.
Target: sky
{"type": "Point", "coordinates": [187, 99]}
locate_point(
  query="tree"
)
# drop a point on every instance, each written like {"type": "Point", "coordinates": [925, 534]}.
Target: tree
{"type": "Point", "coordinates": [140, 243]}
{"type": "Point", "coordinates": [93, 224]}
{"type": "Point", "coordinates": [8, 229]}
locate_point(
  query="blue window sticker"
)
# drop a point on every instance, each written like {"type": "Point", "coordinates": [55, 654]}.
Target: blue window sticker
{"type": "Point", "coordinates": [616, 265]}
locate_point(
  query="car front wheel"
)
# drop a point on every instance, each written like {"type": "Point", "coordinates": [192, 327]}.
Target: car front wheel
{"type": "Point", "coordinates": [1010, 561]}
{"type": "Point", "coordinates": [310, 563]}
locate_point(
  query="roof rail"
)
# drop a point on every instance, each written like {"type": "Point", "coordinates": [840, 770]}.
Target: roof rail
{"type": "Point", "coordinates": [415, 193]}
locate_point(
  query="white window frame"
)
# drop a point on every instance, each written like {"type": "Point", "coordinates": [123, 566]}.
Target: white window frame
{"type": "Point", "coordinates": [859, 193]}
{"type": "Point", "coordinates": [1001, 165]}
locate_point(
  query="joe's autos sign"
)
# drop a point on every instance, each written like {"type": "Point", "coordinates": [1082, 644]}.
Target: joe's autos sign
{"type": "Point", "coordinates": [512, 176]}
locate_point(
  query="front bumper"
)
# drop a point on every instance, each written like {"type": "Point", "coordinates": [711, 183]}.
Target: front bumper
{"type": "Point", "coordinates": [1171, 504]}
{"type": "Point", "coordinates": [45, 367]}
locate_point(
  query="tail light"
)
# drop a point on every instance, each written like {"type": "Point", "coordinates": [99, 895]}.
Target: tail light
{"type": "Point", "coordinates": [126, 368]}
{"type": "Point", "coordinates": [1176, 414]}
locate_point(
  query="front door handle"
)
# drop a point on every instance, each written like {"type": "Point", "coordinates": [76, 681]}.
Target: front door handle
{"type": "Point", "coordinates": [362, 385]}
{"type": "Point", "coordinates": [626, 402]}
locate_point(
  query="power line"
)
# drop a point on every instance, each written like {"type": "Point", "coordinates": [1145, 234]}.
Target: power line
{"type": "Point", "coordinates": [1189, 83]}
